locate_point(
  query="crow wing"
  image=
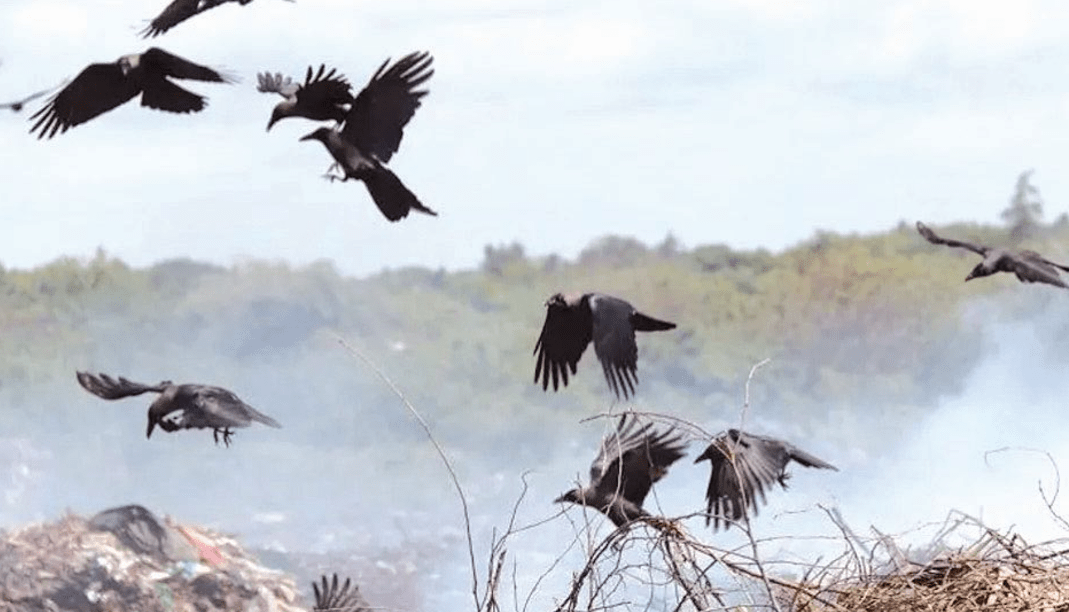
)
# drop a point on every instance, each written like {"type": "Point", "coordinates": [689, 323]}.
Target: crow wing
{"type": "Point", "coordinates": [175, 13]}
{"type": "Point", "coordinates": [934, 238]}
{"type": "Point", "coordinates": [95, 91]}
{"type": "Point", "coordinates": [17, 105]}
{"type": "Point", "coordinates": [160, 62]}
{"type": "Point", "coordinates": [276, 83]}
{"type": "Point", "coordinates": [161, 94]}
{"type": "Point", "coordinates": [739, 473]}
{"type": "Point", "coordinates": [104, 386]}
{"type": "Point", "coordinates": [216, 407]}
{"type": "Point", "coordinates": [323, 90]}
{"type": "Point", "coordinates": [759, 462]}
{"type": "Point", "coordinates": [335, 598]}
{"type": "Point", "coordinates": [614, 342]}
{"type": "Point", "coordinates": [376, 120]}
{"type": "Point", "coordinates": [1031, 267]}
{"type": "Point", "coordinates": [632, 458]}
{"type": "Point", "coordinates": [565, 335]}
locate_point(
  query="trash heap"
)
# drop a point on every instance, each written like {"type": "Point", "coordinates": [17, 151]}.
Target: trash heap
{"type": "Point", "coordinates": [126, 559]}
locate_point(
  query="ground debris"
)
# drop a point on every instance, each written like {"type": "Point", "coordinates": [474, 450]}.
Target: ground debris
{"type": "Point", "coordinates": [127, 559]}
{"type": "Point", "coordinates": [997, 571]}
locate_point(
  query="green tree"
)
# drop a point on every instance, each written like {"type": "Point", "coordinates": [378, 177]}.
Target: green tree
{"type": "Point", "coordinates": [1025, 209]}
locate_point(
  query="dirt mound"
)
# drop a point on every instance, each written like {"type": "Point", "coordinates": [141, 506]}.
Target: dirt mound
{"type": "Point", "coordinates": [128, 559]}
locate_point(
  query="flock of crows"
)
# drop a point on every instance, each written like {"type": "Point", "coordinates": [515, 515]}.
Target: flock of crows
{"type": "Point", "coordinates": [366, 132]}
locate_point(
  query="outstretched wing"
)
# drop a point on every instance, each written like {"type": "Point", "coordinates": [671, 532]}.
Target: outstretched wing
{"type": "Point", "coordinates": [335, 598]}
{"type": "Point", "coordinates": [739, 474]}
{"type": "Point", "coordinates": [95, 91]}
{"type": "Point", "coordinates": [163, 63]}
{"type": "Point", "coordinates": [175, 13]}
{"type": "Point", "coordinates": [218, 407]}
{"type": "Point", "coordinates": [324, 90]}
{"type": "Point", "coordinates": [1032, 267]}
{"type": "Point", "coordinates": [934, 238]}
{"type": "Point", "coordinates": [104, 386]}
{"type": "Point", "coordinates": [634, 457]}
{"type": "Point", "coordinates": [614, 342]}
{"type": "Point", "coordinates": [376, 121]}
{"type": "Point", "coordinates": [566, 333]}
{"type": "Point", "coordinates": [17, 105]}
{"type": "Point", "coordinates": [276, 83]}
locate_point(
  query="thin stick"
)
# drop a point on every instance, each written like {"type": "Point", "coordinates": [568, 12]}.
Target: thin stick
{"type": "Point", "coordinates": [746, 394]}
{"type": "Point", "coordinates": [441, 453]}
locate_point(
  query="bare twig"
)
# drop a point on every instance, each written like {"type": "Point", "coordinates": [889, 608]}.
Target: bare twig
{"type": "Point", "coordinates": [441, 453]}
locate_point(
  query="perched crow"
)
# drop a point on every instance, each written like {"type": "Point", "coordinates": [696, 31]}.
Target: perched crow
{"type": "Point", "coordinates": [338, 598]}
{"type": "Point", "coordinates": [372, 133]}
{"type": "Point", "coordinates": [742, 466]}
{"type": "Point", "coordinates": [200, 406]}
{"type": "Point", "coordinates": [1029, 266]}
{"type": "Point", "coordinates": [180, 10]}
{"type": "Point", "coordinates": [322, 97]}
{"type": "Point", "coordinates": [629, 462]}
{"type": "Point", "coordinates": [102, 87]}
{"type": "Point", "coordinates": [573, 320]}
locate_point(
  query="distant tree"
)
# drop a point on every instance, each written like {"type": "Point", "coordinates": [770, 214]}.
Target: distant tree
{"type": "Point", "coordinates": [618, 251]}
{"type": "Point", "coordinates": [669, 247]}
{"type": "Point", "coordinates": [1026, 208]}
{"type": "Point", "coordinates": [497, 259]}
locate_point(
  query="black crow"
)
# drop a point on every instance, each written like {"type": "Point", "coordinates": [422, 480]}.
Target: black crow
{"type": "Point", "coordinates": [102, 87]}
{"type": "Point", "coordinates": [629, 461]}
{"type": "Point", "coordinates": [200, 406]}
{"type": "Point", "coordinates": [372, 133]}
{"type": "Point", "coordinates": [180, 10]}
{"type": "Point", "coordinates": [338, 598]}
{"type": "Point", "coordinates": [573, 320]}
{"type": "Point", "coordinates": [1029, 266]}
{"type": "Point", "coordinates": [322, 97]}
{"type": "Point", "coordinates": [742, 466]}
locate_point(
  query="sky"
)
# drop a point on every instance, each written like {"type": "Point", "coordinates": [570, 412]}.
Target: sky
{"type": "Point", "coordinates": [746, 122]}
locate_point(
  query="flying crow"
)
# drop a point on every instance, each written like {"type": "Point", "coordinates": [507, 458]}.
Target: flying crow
{"type": "Point", "coordinates": [373, 129]}
{"type": "Point", "coordinates": [324, 96]}
{"type": "Point", "coordinates": [198, 406]}
{"type": "Point", "coordinates": [337, 598]}
{"type": "Point", "coordinates": [573, 320]}
{"type": "Point", "coordinates": [17, 105]}
{"type": "Point", "coordinates": [180, 10]}
{"type": "Point", "coordinates": [630, 460]}
{"type": "Point", "coordinates": [102, 87]}
{"type": "Point", "coordinates": [742, 466]}
{"type": "Point", "coordinates": [1029, 266]}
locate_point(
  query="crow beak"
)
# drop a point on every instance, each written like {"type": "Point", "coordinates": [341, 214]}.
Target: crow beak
{"type": "Point", "coordinates": [311, 136]}
{"type": "Point", "coordinates": [151, 426]}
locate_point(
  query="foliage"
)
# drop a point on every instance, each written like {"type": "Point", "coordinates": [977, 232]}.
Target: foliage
{"type": "Point", "coordinates": [845, 319]}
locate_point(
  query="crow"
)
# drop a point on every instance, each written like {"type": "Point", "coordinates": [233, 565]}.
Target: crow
{"type": "Point", "coordinates": [180, 10]}
{"type": "Point", "coordinates": [372, 132]}
{"type": "Point", "coordinates": [18, 105]}
{"type": "Point", "coordinates": [742, 466]}
{"type": "Point", "coordinates": [338, 599]}
{"type": "Point", "coordinates": [629, 461]}
{"type": "Point", "coordinates": [1029, 266]}
{"type": "Point", "coordinates": [200, 406]}
{"type": "Point", "coordinates": [573, 320]}
{"type": "Point", "coordinates": [324, 96]}
{"type": "Point", "coordinates": [102, 87]}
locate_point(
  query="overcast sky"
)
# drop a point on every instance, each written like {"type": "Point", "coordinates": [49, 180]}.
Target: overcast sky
{"type": "Point", "coordinates": [748, 122]}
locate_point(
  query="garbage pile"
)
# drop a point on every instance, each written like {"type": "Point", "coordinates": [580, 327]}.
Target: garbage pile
{"type": "Point", "coordinates": [127, 559]}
